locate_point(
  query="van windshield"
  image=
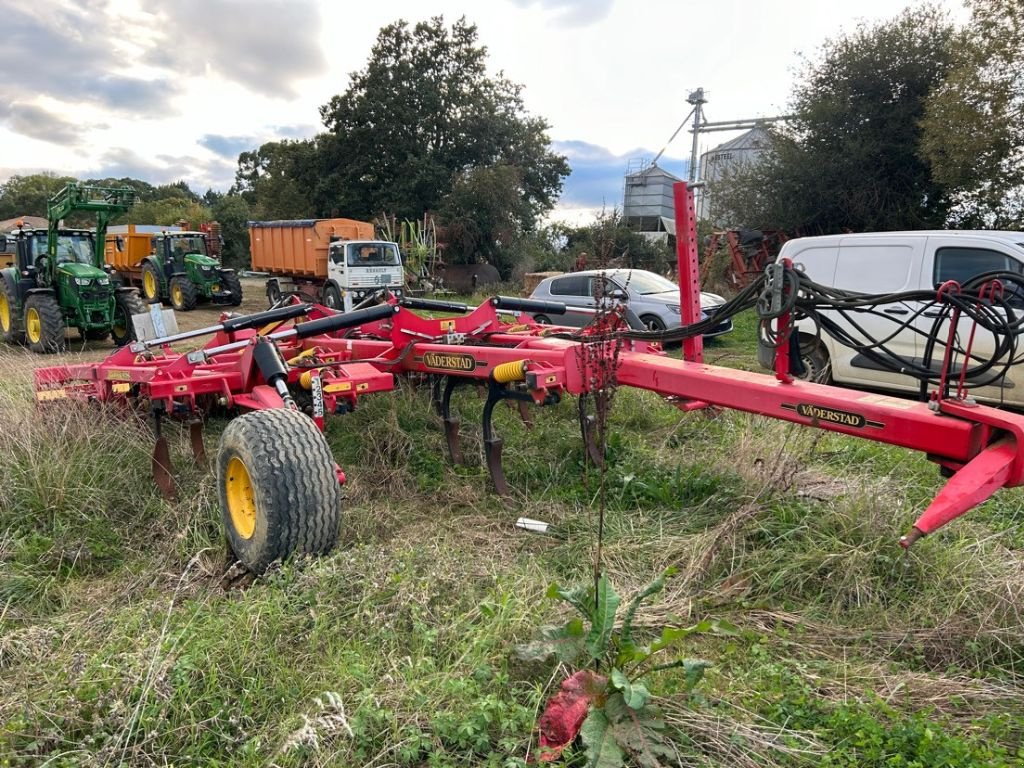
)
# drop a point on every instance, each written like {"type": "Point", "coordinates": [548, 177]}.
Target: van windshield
{"type": "Point", "coordinates": [372, 255]}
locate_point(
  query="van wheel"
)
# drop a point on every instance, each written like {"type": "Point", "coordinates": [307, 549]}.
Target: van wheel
{"type": "Point", "coordinates": [817, 366]}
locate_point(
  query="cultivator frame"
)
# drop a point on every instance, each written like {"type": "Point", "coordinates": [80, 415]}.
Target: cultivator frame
{"type": "Point", "coordinates": [303, 356]}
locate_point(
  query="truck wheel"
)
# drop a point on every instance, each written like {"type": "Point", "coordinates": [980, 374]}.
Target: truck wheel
{"type": "Point", "coordinates": [11, 325]}
{"type": "Point", "coordinates": [150, 283]}
{"type": "Point", "coordinates": [183, 294]}
{"type": "Point", "coordinates": [44, 323]}
{"type": "Point", "coordinates": [273, 292]}
{"type": "Point", "coordinates": [126, 304]}
{"type": "Point", "coordinates": [817, 367]}
{"type": "Point", "coordinates": [279, 495]}
{"type": "Point", "coordinates": [233, 284]}
{"type": "Point", "coordinates": [332, 298]}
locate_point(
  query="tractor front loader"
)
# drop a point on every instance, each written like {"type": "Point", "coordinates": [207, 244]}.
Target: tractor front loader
{"type": "Point", "coordinates": [58, 281]}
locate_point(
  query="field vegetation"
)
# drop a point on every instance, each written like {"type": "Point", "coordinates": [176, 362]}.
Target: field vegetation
{"type": "Point", "coordinates": [128, 638]}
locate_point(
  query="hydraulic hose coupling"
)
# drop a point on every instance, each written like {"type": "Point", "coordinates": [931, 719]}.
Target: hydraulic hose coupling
{"type": "Point", "coordinates": [509, 372]}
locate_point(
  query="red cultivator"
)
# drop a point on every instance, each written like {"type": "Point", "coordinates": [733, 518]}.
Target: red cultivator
{"type": "Point", "coordinates": [279, 485]}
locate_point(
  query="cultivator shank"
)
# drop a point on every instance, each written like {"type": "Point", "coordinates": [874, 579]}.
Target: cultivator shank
{"type": "Point", "coordinates": [307, 358]}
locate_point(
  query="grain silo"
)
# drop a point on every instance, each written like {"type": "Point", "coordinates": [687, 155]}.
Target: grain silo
{"type": "Point", "coordinates": [647, 205]}
{"type": "Point", "coordinates": [715, 164]}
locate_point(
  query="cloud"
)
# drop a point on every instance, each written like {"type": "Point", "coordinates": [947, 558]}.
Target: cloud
{"type": "Point", "coordinates": [298, 132]}
{"type": "Point", "coordinates": [65, 53]}
{"type": "Point", "coordinates": [199, 173]}
{"type": "Point", "coordinates": [228, 146]}
{"type": "Point", "coordinates": [572, 13]}
{"type": "Point", "coordinates": [266, 45]}
{"type": "Point", "coordinates": [598, 174]}
{"type": "Point", "coordinates": [37, 123]}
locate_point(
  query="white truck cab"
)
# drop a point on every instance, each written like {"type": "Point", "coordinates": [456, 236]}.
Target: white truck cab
{"type": "Point", "coordinates": [360, 268]}
{"type": "Point", "coordinates": [891, 262]}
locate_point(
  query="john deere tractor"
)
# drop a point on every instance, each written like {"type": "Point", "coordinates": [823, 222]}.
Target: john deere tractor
{"type": "Point", "coordinates": [180, 270]}
{"type": "Point", "coordinates": [57, 280]}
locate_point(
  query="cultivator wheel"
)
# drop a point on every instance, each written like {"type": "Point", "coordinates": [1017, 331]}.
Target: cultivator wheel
{"type": "Point", "coordinates": [279, 493]}
{"type": "Point", "coordinates": [44, 323]}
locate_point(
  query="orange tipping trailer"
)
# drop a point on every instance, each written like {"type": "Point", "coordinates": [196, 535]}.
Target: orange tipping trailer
{"type": "Point", "coordinates": [300, 247]}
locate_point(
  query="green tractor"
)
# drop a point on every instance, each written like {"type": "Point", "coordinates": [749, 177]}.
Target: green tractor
{"type": "Point", "coordinates": [57, 279]}
{"type": "Point", "coordinates": [180, 270]}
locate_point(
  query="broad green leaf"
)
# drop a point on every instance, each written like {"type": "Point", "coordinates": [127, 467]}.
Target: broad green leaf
{"type": "Point", "coordinates": [602, 749]}
{"type": "Point", "coordinates": [563, 642]}
{"type": "Point", "coordinates": [672, 635]}
{"type": "Point", "coordinates": [603, 620]}
{"type": "Point", "coordinates": [639, 732]}
{"type": "Point", "coordinates": [694, 669]}
{"type": "Point", "coordinates": [626, 634]}
{"type": "Point", "coordinates": [578, 597]}
{"type": "Point", "coordinates": [635, 695]}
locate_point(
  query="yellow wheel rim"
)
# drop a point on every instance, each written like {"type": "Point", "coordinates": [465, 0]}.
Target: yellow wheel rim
{"type": "Point", "coordinates": [33, 325]}
{"type": "Point", "coordinates": [176, 295]}
{"type": "Point", "coordinates": [149, 285]}
{"type": "Point", "coordinates": [241, 501]}
{"type": "Point", "coordinates": [5, 313]}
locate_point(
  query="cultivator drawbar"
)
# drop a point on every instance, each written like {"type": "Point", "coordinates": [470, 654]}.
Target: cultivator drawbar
{"type": "Point", "coordinates": [307, 359]}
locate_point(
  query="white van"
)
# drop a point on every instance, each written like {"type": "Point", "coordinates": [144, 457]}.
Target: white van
{"type": "Point", "coordinates": [890, 262]}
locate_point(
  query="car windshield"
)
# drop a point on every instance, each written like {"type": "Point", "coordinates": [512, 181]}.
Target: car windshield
{"type": "Point", "coordinates": [191, 244]}
{"type": "Point", "coordinates": [372, 255]}
{"type": "Point", "coordinates": [72, 248]}
{"type": "Point", "coordinates": [646, 283]}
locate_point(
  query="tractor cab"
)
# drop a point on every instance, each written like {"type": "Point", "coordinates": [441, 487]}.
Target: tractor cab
{"type": "Point", "coordinates": [185, 252]}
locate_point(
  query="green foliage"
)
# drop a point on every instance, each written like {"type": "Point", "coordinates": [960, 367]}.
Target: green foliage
{"type": "Point", "coordinates": [973, 127]}
{"type": "Point", "coordinates": [849, 158]}
{"type": "Point", "coordinates": [169, 211]}
{"type": "Point", "coordinates": [608, 242]}
{"type": "Point", "coordinates": [27, 195]}
{"type": "Point", "coordinates": [422, 110]}
{"type": "Point", "coordinates": [277, 180]}
{"type": "Point", "coordinates": [233, 214]}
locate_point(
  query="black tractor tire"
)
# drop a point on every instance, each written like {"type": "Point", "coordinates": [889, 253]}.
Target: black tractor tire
{"type": "Point", "coordinates": [126, 304]}
{"type": "Point", "coordinates": [44, 324]}
{"type": "Point", "coordinates": [150, 283]}
{"type": "Point", "coordinates": [12, 323]}
{"type": "Point", "coordinates": [332, 298]}
{"type": "Point", "coordinates": [183, 294]}
{"type": "Point", "coordinates": [817, 366]}
{"type": "Point", "coordinates": [95, 334]}
{"type": "Point", "coordinates": [279, 494]}
{"type": "Point", "coordinates": [652, 322]}
{"type": "Point", "coordinates": [230, 281]}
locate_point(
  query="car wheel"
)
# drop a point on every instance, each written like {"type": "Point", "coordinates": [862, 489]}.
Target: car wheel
{"type": "Point", "coordinates": [652, 322]}
{"type": "Point", "coordinates": [542, 320]}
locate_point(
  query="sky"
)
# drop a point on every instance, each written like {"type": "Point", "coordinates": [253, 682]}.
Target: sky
{"type": "Point", "coordinates": [168, 90]}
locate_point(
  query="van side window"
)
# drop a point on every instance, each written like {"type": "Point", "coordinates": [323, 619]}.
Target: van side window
{"type": "Point", "coordinates": [570, 286]}
{"type": "Point", "coordinates": [875, 267]}
{"type": "Point", "coordinates": [961, 264]}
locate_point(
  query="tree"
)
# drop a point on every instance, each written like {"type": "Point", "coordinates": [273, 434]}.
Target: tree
{"type": "Point", "coordinates": [974, 121]}
{"type": "Point", "coordinates": [168, 212]}
{"type": "Point", "coordinates": [276, 179]}
{"type": "Point", "coordinates": [27, 195]}
{"type": "Point", "coordinates": [423, 111]}
{"type": "Point", "coordinates": [233, 213]}
{"type": "Point", "coordinates": [849, 158]}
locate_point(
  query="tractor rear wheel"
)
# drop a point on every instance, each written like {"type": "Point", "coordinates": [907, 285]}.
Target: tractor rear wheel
{"type": "Point", "coordinates": [233, 284]}
{"type": "Point", "coordinates": [12, 326]}
{"type": "Point", "coordinates": [126, 304]}
{"type": "Point", "coordinates": [150, 283]}
{"type": "Point", "coordinates": [279, 495]}
{"type": "Point", "coordinates": [44, 323]}
{"type": "Point", "coordinates": [183, 294]}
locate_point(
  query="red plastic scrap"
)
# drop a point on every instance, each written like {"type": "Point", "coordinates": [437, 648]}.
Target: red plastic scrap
{"type": "Point", "coordinates": [564, 715]}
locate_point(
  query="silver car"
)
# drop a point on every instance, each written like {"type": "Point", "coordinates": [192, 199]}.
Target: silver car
{"type": "Point", "coordinates": [652, 298]}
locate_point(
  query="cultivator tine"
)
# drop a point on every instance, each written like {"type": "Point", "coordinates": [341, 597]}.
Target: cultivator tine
{"type": "Point", "coordinates": [493, 444]}
{"type": "Point", "coordinates": [436, 389]}
{"type": "Point", "coordinates": [525, 413]}
{"type": "Point", "coordinates": [451, 425]}
{"type": "Point", "coordinates": [588, 428]}
{"type": "Point", "coordinates": [195, 436]}
{"type": "Point", "coordinates": [163, 469]}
